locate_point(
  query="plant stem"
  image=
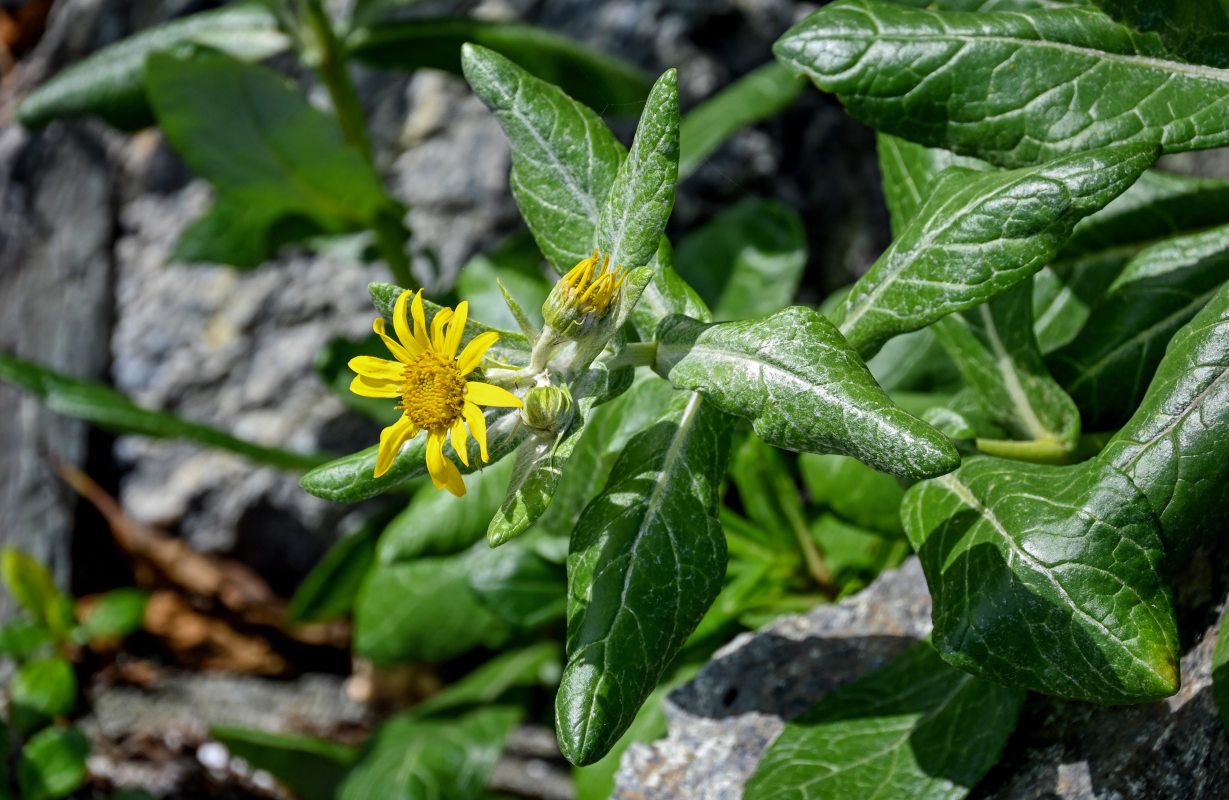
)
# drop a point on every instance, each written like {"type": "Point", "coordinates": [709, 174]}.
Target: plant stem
{"type": "Point", "coordinates": [634, 354]}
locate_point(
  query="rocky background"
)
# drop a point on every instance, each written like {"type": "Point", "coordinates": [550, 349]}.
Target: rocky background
{"type": "Point", "coordinates": [87, 220]}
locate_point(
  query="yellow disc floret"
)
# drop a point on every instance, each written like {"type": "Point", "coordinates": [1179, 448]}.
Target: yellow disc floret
{"type": "Point", "coordinates": [432, 391]}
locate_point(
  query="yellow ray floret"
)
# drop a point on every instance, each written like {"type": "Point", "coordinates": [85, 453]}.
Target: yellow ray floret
{"type": "Point", "coordinates": [592, 287]}
{"type": "Point", "coordinates": [429, 377]}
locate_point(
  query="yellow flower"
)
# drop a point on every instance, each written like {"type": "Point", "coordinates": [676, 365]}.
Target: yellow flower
{"type": "Point", "coordinates": [583, 297]}
{"type": "Point", "coordinates": [429, 378]}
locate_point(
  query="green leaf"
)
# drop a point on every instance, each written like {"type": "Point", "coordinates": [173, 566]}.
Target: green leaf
{"type": "Point", "coordinates": [537, 664]}
{"type": "Point", "coordinates": [855, 556]}
{"type": "Point", "coordinates": [593, 78]}
{"type": "Point", "coordinates": [1047, 578]}
{"type": "Point", "coordinates": [802, 387]}
{"type": "Point", "coordinates": [312, 768]}
{"type": "Point", "coordinates": [111, 83]}
{"type": "Point", "coordinates": [747, 261]}
{"type": "Point", "coordinates": [516, 265]}
{"type": "Point", "coordinates": [634, 216]}
{"type": "Point", "coordinates": [759, 95]}
{"type": "Point", "coordinates": [99, 404]}
{"type": "Point", "coordinates": [1106, 367]}
{"type": "Point", "coordinates": [437, 524]}
{"type": "Point", "coordinates": [52, 764]}
{"type": "Point", "coordinates": [907, 168]}
{"type": "Point", "coordinates": [1176, 446]}
{"type": "Point", "coordinates": [860, 495]}
{"type": "Point", "coordinates": [43, 689]}
{"type": "Point", "coordinates": [916, 729]}
{"type": "Point", "coordinates": [21, 639]}
{"type": "Point", "coordinates": [423, 610]}
{"type": "Point", "coordinates": [33, 587]}
{"type": "Point", "coordinates": [1014, 89]}
{"type": "Point", "coordinates": [425, 759]}
{"type": "Point", "coordinates": [1220, 674]}
{"type": "Point", "coordinates": [1196, 30]}
{"type": "Point", "coordinates": [240, 235]}
{"type": "Point", "coordinates": [564, 158]}
{"type": "Point", "coordinates": [994, 346]}
{"type": "Point", "coordinates": [116, 614]}
{"type": "Point", "coordinates": [331, 588]}
{"type": "Point", "coordinates": [520, 586]}
{"type": "Point", "coordinates": [978, 235]}
{"type": "Point", "coordinates": [646, 561]}
{"type": "Point", "coordinates": [262, 146]}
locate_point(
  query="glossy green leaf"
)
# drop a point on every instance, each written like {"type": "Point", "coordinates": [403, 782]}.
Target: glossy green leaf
{"type": "Point", "coordinates": [977, 235]}
{"type": "Point", "coordinates": [330, 589]}
{"type": "Point", "coordinates": [747, 261]}
{"type": "Point", "coordinates": [1107, 366]}
{"type": "Point", "coordinates": [423, 610]}
{"type": "Point", "coordinates": [41, 690]}
{"type": "Point", "coordinates": [646, 561]}
{"type": "Point", "coordinates": [111, 83]}
{"type": "Point", "coordinates": [861, 495]}
{"type": "Point", "coordinates": [1176, 446]}
{"type": "Point", "coordinates": [1011, 88]}
{"type": "Point", "coordinates": [520, 586]}
{"type": "Point", "coordinates": [33, 587]}
{"type": "Point", "coordinates": [634, 216]}
{"type": "Point", "coordinates": [907, 168]}
{"type": "Point", "coordinates": [802, 387]}
{"type": "Point", "coordinates": [994, 346]}
{"type": "Point", "coordinates": [310, 767]}
{"type": "Point", "coordinates": [425, 759]}
{"type": "Point", "coordinates": [1047, 578]}
{"type": "Point", "coordinates": [1196, 30]}
{"type": "Point", "coordinates": [537, 664]}
{"type": "Point", "coordinates": [271, 155]}
{"type": "Point", "coordinates": [435, 523]}
{"type": "Point", "coordinates": [760, 94]}
{"type": "Point", "coordinates": [116, 614]}
{"type": "Point", "coordinates": [52, 764]}
{"type": "Point", "coordinates": [99, 404]}
{"type": "Point", "coordinates": [598, 80]}
{"type": "Point", "coordinates": [1220, 675]}
{"type": "Point", "coordinates": [564, 158]}
{"type": "Point", "coordinates": [916, 729]}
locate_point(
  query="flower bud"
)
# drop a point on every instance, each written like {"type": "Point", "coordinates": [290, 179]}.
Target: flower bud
{"type": "Point", "coordinates": [548, 407]}
{"type": "Point", "coordinates": [583, 298]}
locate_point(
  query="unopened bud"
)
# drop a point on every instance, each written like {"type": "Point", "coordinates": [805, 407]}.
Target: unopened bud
{"type": "Point", "coordinates": [583, 298]}
{"type": "Point", "coordinates": [548, 407]}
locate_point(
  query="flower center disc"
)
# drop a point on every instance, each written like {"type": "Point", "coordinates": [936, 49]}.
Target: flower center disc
{"type": "Point", "coordinates": [432, 391]}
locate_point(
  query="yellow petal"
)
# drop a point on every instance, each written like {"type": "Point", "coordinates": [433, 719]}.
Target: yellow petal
{"type": "Point", "coordinates": [484, 394]}
{"type": "Point", "coordinates": [374, 387]}
{"type": "Point", "coordinates": [477, 427]}
{"type": "Point", "coordinates": [420, 322]}
{"type": "Point", "coordinates": [472, 355]}
{"type": "Point", "coordinates": [458, 440]}
{"type": "Point", "coordinates": [391, 439]}
{"type": "Point", "coordinates": [401, 322]}
{"type": "Point", "coordinates": [437, 328]}
{"type": "Point", "coordinates": [444, 473]}
{"type": "Point", "coordinates": [455, 328]}
{"type": "Point", "coordinates": [403, 354]}
{"type": "Point", "coordinates": [380, 368]}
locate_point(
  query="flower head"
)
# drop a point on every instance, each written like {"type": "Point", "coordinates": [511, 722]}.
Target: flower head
{"type": "Point", "coordinates": [429, 377]}
{"type": "Point", "coordinates": [583, 298]}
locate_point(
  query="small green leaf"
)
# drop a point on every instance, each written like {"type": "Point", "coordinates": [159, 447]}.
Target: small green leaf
{"type": "Point", "coordinates": [633, 218]}
{"type": "Point", "coordinates": [802, 387]}
{"type": "Point", "coordinates": [977, 235]}
{"type": "Point", "coordinates": [1012, 88]}
{"type": "Point", "coordinates": [34, 588]}
{"type": "Point", "coordinates": [1106, 367]}
{"type": "Point", "coordinates": [564, 158]}
{"type": "Point", "coordinates": [760, 94]}
{"type": "Point", "coordinates": [520, 586]}
{"type": "Point", "coordinates": [996, 350]}
{"type": "Point", "coordinates": [116, 614]}
{"type": "Point", "coordinates": [646, 561]}
{"type": "Point", "coordinates": [43, 689]}
{"type": "Point", "coordinates": [1047, 578]}
{"type": "Point", "coordinates": [916, 729]}
{"type": "Point", "coordinates": [426, 759]}
{"type": "Point", "coordinates": [599, 81]}
{"type": "Point", "coordinates": [1196, 30]}
{"type": "Point", "coordinates": [423, 610]}
{"type": "Point", "coordinates": [537, 664]}
{"type": "Point", "coordinates": [858, 494]}
{"type": "Point", "coordinates": [330, 589]}
{"type": "Point", "coordinates": [1176, 446]}
{"type": "Point", "coordinates": [111, 83]}
{"type": "Point", "coordinates": [21, 639]}
{"type": "Point", "coordinates": [99, 404]}
{"type": "Point", "coordinates": [747, 261]}
{"type": "Point", "coordinates": [52, 764]}
{"type": "Point", "coordinates": [312, 768]}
